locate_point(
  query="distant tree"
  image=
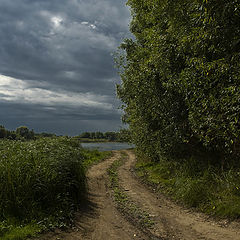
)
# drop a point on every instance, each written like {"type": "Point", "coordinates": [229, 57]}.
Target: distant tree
{"type": "Point", "coordinates": [92, 135]}
{"type": "Point", "coordinates": [3, 132]}
{"type": "Point", "coordinates": [111, 136]}
{"type": "Point", "coordinates": [99, 135]}
{"type": "Point", "coordinates": [44, 134]}
{"type": "Point", "coordinates": [31, 134]}
{"type": "Point", "coordinates": [24, 132]}
{"type": "Point", "coordinates": [12, 135]}
{"type": "Point", "coordinates": [85, 135]}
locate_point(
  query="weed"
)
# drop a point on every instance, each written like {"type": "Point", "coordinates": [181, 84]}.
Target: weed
{"type": "Point", "coordinates": [124, 203]}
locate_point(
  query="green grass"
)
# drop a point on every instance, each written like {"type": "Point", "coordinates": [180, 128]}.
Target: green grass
{"type": "Point", "coordinates": [19, 232]}
{"type": "Point", "coordinates": [94, 156]}
{"type": "Point", "coordinates": [124, 203]}
{"type": "Point", "coordinates": [205, 188]}
{"type": "Point", "coordinates": [42, 183]}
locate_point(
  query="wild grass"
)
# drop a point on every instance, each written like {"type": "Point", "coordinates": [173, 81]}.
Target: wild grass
{"type": "Point", "coordinates": [19, 232]}
{"type": "Point", "coordinates": [204, 187]}
{"type": "Point", "coordinates": [42, 183]}
{"type": "Point", "coordinates": [94, 156]}
{"type": "Point", "coordinates": [124, 203]}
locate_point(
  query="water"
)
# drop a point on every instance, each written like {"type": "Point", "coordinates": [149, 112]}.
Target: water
{"type": "Point", "coordinates": [107, 146]}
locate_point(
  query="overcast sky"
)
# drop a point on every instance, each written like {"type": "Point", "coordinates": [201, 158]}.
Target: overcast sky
{"type": "Point", "coordinates": [56, 66]}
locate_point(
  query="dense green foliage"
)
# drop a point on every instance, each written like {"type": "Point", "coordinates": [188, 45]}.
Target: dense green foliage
{"type": "Point", "coordinates": [206, 188]}
{"type": "Point", "coordinates": [41, 183]}
{"type": "Point", "coordinates": [181, 78]}
{"type": "Point", "coordinates": [4, 133]}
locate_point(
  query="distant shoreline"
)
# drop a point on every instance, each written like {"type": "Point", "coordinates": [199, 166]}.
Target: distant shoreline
{"type": "Point", "coordinates": [89, 140]}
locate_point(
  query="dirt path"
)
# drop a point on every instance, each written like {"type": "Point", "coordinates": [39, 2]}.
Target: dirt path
{"type": "Point", "coordinates": [172, 221]}
{"type": "Point", "coordinates": [101, 221]}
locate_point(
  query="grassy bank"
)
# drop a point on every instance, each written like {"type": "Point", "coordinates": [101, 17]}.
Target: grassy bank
{"type": "Point", "coordinates": [42, 184]}
{"type": "Point", "coordinates": [204, 187]}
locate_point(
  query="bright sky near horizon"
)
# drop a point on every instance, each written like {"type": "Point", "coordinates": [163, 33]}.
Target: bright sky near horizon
{"type": "Point", "coordinates": [56, 66]}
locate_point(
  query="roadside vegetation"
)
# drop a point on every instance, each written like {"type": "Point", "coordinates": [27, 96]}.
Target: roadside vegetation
{"type": "Point", "coordinates": [181, 96]}
{"type": "Point", "coordinates": [42, 183]}
{"type": "Point", "coordinates": [124, 203]}
{"type": "Point", "coordinates": [205, 188]}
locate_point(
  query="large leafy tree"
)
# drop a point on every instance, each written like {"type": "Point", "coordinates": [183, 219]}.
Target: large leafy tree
{"type": "Point", "coordinates": [180, 76]}
{"type": "Point", "coordinates": [3, 132]}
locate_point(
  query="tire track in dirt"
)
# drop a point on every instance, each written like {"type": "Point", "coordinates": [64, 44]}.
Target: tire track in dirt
{"type": "Point", "coordinates": [99, 220]}
{"type": "Point", "coordinates": [171, 220]}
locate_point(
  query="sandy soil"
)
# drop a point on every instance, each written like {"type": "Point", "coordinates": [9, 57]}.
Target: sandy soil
{"type": "Point", "coordinates": [101, 221]}
{"type": "Point", "coordinates": [173, 221]}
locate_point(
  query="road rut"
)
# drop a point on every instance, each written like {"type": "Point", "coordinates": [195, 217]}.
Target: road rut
{"type": "Point", "coordinates": [100, 219]}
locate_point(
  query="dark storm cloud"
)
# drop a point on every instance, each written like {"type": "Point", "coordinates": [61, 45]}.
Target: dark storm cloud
{"type": "Point", "coordinates": [44, 40]}
{"type": "Point", "coordinates": [39, 112]}
{"type": "Point", "coordinates": [58, 119]}
{"type": "Point", "coordinates": [64, 47]}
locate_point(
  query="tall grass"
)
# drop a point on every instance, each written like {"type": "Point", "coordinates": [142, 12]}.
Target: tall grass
{"type": "Point", "coordinates": [38, 177]}
{"type": "Point", "coordinates": [202, 186]}
{"type": "Point", "coordinates": [41, 183]}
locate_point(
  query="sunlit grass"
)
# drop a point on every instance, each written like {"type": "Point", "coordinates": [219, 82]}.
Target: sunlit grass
{"type": "Point", "coordinates": [20, 232]}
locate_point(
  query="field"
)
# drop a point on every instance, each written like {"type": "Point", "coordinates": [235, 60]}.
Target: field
{"type": "Point", "coordinates": [42, 183]}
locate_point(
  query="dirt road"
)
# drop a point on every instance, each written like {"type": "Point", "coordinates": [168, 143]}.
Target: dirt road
{"type": "Point", "coordinates": [101, 220]}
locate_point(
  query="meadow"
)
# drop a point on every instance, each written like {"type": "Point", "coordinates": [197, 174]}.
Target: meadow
{"type": "Point", "coordinates": [42, 183]}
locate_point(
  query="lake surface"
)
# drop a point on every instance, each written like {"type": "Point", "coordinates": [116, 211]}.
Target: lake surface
{"type": "Point", "coordinates": [107, 146]}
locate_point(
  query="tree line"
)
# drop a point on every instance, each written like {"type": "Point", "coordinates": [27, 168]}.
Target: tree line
{"type": "Point", "coordinates": [181, 78]}
{"type": "Point", "coordinates": [22, 133]}
{"type": "Point", "coordinates": [122, 135]}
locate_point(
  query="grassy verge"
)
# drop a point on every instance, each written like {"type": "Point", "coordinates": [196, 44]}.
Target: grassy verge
{"type": "Point", "coordinates": [42, 183]}
{"type": "Point", "coordinates": [94, 156]}
{"type": "Point", "coordinates": [124, 203]}
{"type": "Point", "coordinates": [205, 188]}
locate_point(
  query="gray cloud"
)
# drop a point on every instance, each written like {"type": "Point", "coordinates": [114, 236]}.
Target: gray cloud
{"type": "Point", "coordinates": [64, 48]}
